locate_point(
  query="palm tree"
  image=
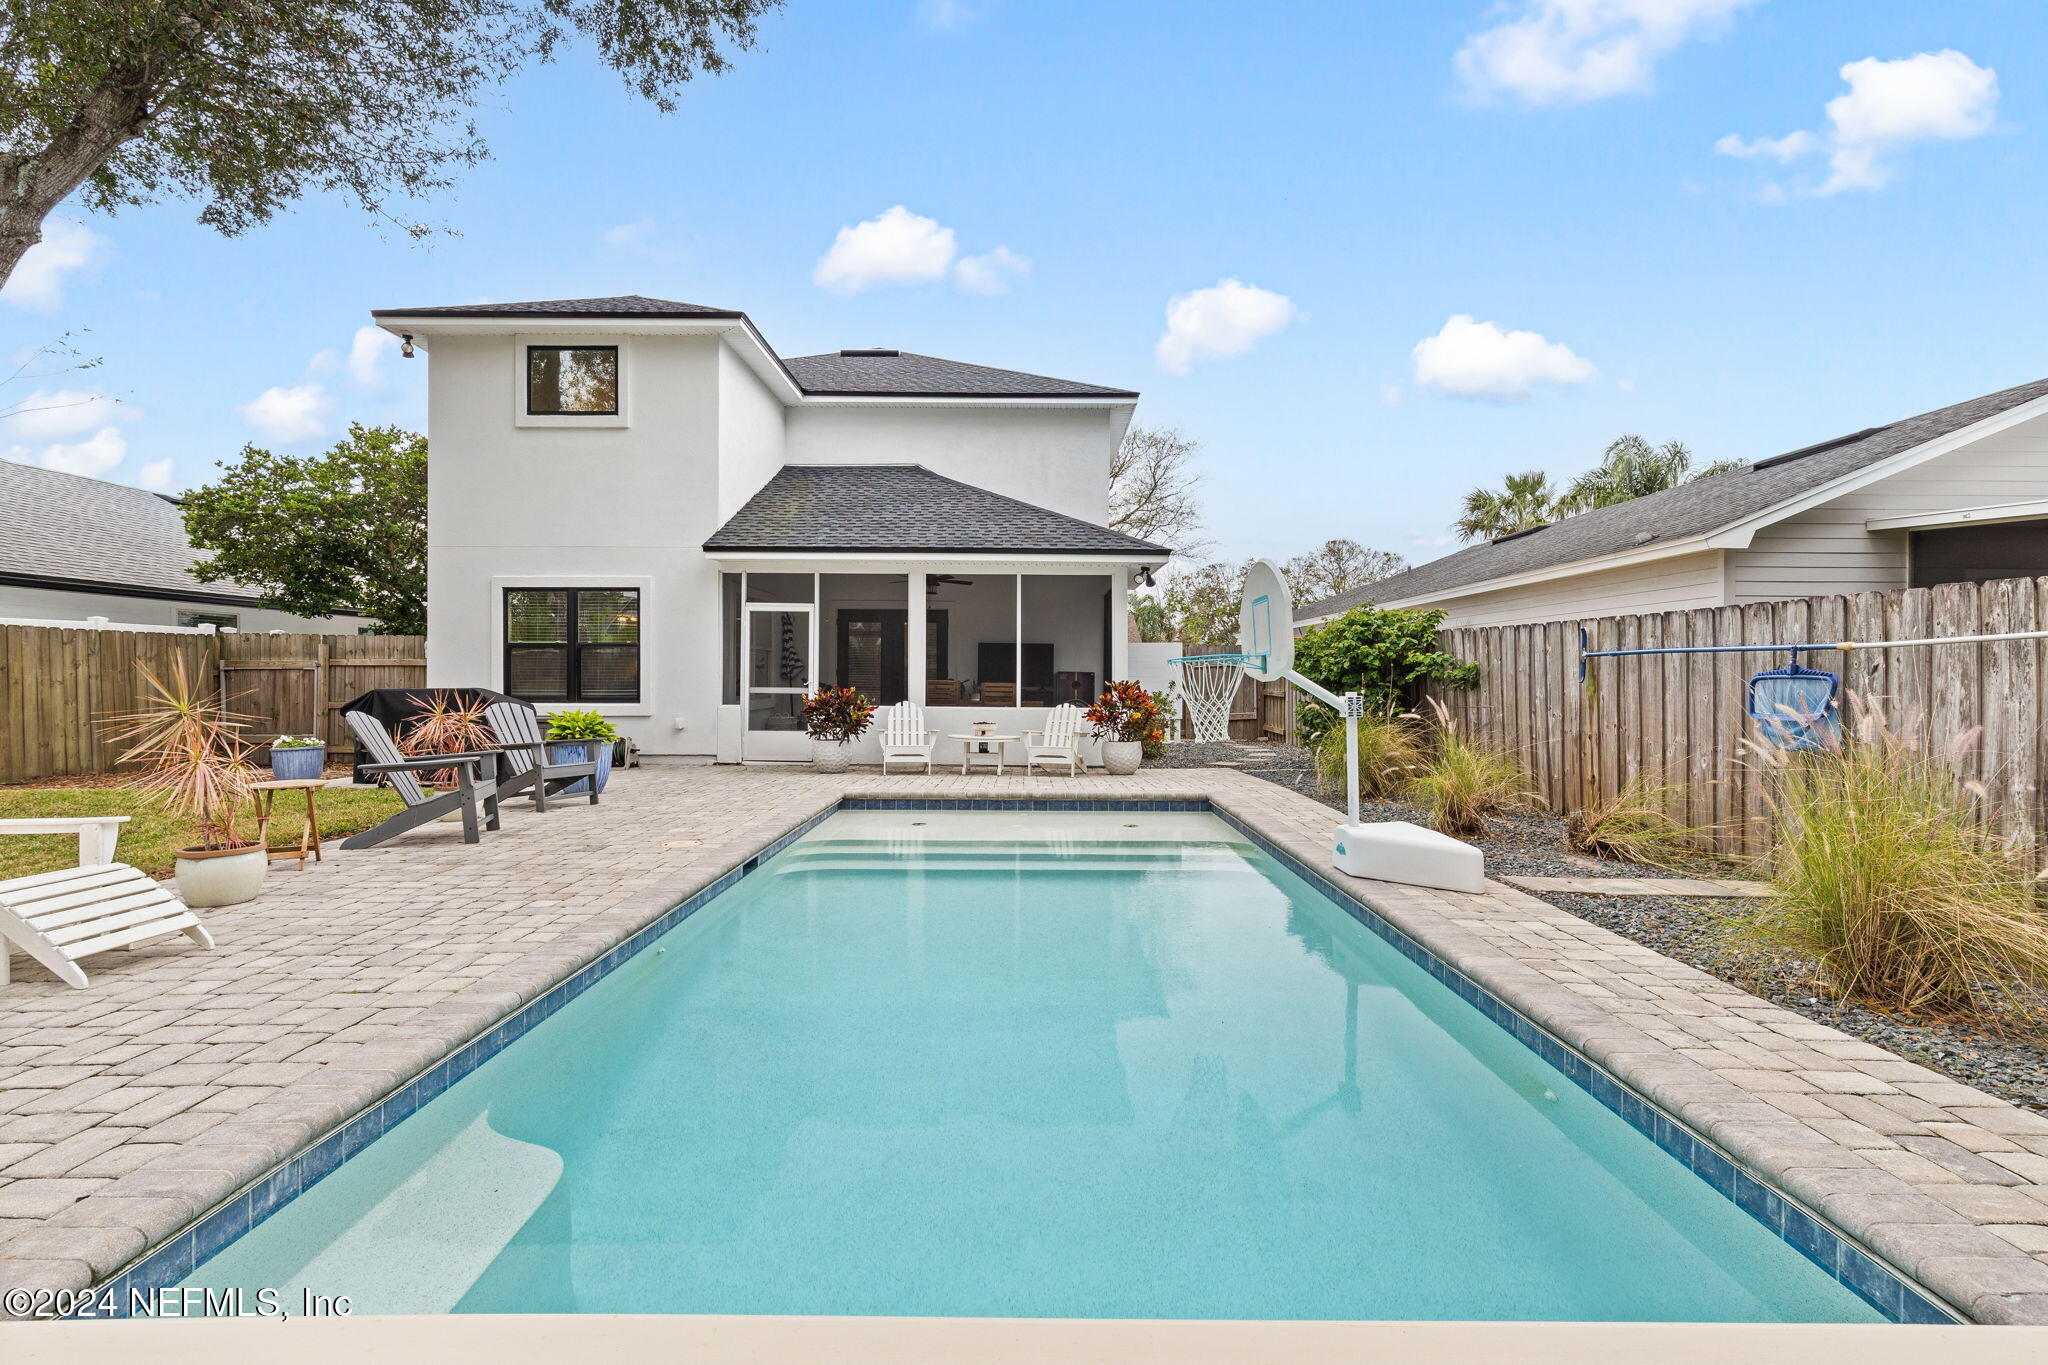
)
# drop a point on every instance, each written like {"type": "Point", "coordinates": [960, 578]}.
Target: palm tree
{"type": "Point", "coordinates": [1525, 500]}
{"type": "Point", "coordinates": [1632, 468]}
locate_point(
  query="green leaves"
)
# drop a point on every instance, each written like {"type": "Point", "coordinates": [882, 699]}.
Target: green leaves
{"type": "Point", "coordinates": [1381, 654]}
{"type": "Point", "coordinates": [317, 534]}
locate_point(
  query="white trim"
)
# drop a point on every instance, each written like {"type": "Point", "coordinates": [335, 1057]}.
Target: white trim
{"type": "Point", "coordinates": [892, 562]}
{"type": "Point", "coordinates": [649, 631]}
{"type": "Point", "coordinates": [1964, 516]}
{"type": "Point", "coordinates": [1738, 535]}
{"type": "Point", "coordinates": [571, 421]}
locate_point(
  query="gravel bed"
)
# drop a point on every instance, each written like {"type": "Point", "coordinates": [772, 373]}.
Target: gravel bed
{"type": "Point", "coordinates": [1701, 933]}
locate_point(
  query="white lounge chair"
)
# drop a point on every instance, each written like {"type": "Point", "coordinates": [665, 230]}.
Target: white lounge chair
{"type": "Point", "coordinates": [1058, 743]}
{"type": "Point", "coordinates": [59, 917]}
{"type": "Point", "coordinates": [904, 736]}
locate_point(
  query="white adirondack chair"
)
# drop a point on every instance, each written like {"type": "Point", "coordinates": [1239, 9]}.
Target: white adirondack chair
{"type": "Point", "coordinates": [1058, 743]}
{"type": "Point", "coordinates": [904, 736]}
{"type": "Point", "coordinates": [59, 917]}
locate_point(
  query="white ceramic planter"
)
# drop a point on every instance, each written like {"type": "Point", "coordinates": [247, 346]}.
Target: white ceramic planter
{"type": "Point", "coordinates": [221, 877]}
{"type": "Point", "coordinates": [832, 755]}
{"type": "Point", "coordinates": [1121, 757]}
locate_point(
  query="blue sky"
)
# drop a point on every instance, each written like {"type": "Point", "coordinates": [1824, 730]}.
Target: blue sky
{"type": "Point", "coordinates": [1369, 174]}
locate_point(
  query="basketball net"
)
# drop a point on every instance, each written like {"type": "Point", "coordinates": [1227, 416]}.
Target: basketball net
{"type": "Point", "coordinates": [1208, 686]}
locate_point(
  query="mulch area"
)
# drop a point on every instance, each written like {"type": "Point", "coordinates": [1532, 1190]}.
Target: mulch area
{"type": "Point", "coordinates": [2007, 1060]}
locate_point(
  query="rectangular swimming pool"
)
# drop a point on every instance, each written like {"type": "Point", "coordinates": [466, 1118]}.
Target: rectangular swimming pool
{"type": "Point", "coordinates": [1090, 1064]}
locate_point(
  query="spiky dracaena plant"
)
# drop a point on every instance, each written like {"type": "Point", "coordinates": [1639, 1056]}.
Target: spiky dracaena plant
{"type": "Point", "coordinates": [1887, 874]}
{"type": "Point", "coordinates": [195, 762]}
{"type": "Point", "coordinates": [446, 726]}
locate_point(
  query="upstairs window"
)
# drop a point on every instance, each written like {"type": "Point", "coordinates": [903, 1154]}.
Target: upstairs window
{"type": "Point", "coordinates": [572, 381]}
{"type": "Point", "coordinates": [573, 644]}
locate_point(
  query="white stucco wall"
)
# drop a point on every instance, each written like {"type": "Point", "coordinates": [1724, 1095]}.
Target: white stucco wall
{"type": "Point", "coordinates": [751, 433]}
{"type": "Point", "coordinates": [55, 604]}
{"type": "Point", "coordinates": [1050, 457]}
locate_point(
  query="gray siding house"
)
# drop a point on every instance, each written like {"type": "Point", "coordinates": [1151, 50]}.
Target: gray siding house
{"type": "Point", "coordinates": [1959, 494]}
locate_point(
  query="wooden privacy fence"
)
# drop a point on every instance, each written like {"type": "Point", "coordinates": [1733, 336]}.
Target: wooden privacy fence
{"type": "Point", "coordinates": [1682, 719]}
{"type": "Point", "coordinates": [58, 684]}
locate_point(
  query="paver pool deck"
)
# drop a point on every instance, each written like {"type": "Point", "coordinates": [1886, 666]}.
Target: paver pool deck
{"type": "Point", "coordinates": [129, 1109]}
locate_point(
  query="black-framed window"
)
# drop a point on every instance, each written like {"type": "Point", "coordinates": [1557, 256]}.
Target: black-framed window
{"type": "Point", "coordinates": [219, 620]}
{"type": "Point", "coordinates": [572, 381]}
{"type": "Point", "coordinates": [573, 644]}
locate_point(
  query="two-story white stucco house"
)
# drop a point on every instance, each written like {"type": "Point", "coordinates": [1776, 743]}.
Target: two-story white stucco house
{"type": "Point", "coordinates": [636, 505]}
{"type": "Point", "coordinates": [1959, 494]}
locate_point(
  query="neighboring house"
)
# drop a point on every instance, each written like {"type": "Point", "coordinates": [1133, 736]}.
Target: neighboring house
{"type": "Point", "coordinates": [72, 548]}
{"type": "Point", "coordinates": [638, 506]}
{"type": "Point", "coordinates": [1955, 495]}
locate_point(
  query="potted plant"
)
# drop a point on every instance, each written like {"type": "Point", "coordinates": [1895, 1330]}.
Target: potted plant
{"type": "Point", "coordinates": [447, 725]}
{"type": "Point", "coordinates": [1126, 718]}
{"type": "Point", "coordinates": [297, 758]}
{"type": "Point", "coordinates": [582, 737]}
{"type": "Point", "coordinates": [196, 765]}
{"type": "Point", "coordinates": [834, 717]}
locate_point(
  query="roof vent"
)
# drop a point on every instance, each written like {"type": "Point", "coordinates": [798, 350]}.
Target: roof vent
{"type": "Point", "coordinates": [872, 351]}
{"type": "Point", "coordinates": [1517, 535]}
{"type": "Point", "coordinates": [1645, 537]}
{"type": "Point", "coordinates": [1818, 447]}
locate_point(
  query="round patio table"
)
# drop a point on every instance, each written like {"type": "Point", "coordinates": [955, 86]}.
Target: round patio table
{"type": "Point", "coordinates": [982, 751]}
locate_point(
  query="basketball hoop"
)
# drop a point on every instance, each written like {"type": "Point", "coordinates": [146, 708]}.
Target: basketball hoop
{"type": "Point", "coordinates": [1208, 683]}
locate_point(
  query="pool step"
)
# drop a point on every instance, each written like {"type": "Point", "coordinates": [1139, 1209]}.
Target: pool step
{"type": "Point", "coordinates": [966, 856]}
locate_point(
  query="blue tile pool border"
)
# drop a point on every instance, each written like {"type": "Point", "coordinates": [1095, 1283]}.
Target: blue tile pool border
{"type": "Point", "coordinates": [1876, 1283]}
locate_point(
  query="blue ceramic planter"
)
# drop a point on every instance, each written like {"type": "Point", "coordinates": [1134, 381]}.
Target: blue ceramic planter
{"type": "Point", "coordinates": [581, 751]}
{"type": "Point", "coordinates": [298, 765]}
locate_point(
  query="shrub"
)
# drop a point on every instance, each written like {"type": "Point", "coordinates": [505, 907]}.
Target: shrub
{"type": "Point", "coordinates": [1391, 752]}
{"type": "Point", "coordinates": [837, 714]}
{"type": "Point", "coordinates": [1464, 783]}
{"type": "Point", "coordinates": [1635, 825]}
{"type": "Point", "coordinates": [1381, 654]}
{"type": "Point", "coordinates": [1886, 875]}
{"type": "Point", "coordinates": [1126, 711]}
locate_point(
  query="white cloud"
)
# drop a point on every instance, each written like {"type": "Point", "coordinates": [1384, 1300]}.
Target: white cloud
{"type": "Point", "coordinates": [1784, 149]}
{"type": "Point", "coordinates": [92, 457]}
{"type": "Point", "coordinates": [40, 276]}
{"type": "Point", "coordinates": [155, 476]}
{"type": "Point", "coordinates": [945, 14]}
{"type": "Point", "coordinates": [1225, 319]}
{"type": "Point", "coordinates": [1479, 360]}
{"type": "Point", "coordinates": [289, 414]}
{"type": "Point", "coordinates": [1390, 394]}
{"type": "Point", "coordinates": [366, 355]}
{"type": "Point", "coordinates": [1571, 51]}
{"type": "Point", "coordinates": [53, 414]}
{"type": "Point", "coordinates": [637, 233]}
{"type": "Point", "coordinates": [894, 247]}
{"type": "Point", "coordinates": [1928, 97]}
{"type": "Point", "coordinates": [989, 273]}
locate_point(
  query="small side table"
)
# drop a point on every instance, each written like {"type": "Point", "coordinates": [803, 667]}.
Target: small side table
{"type": "Point", "coordinates": [982, 751]}
{"type": "Point", "coordinates": [309, 837]}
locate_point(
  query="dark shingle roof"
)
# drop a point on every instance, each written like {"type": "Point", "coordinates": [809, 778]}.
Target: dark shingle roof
{"type": "Point", "coordinates": [69, 528]}
{"type": "Point", "coordinates": [881, 373]}
{"type": "Point", "coordinates": [906, 507]}
{"type": "Point", "coordinates": [618, 306]}
{"type": "Point", "coordinates": [1693, 509]}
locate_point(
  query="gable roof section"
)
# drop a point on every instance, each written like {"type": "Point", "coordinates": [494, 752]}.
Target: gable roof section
{"type": "Point", "coordinates": [1689, 510]}
{"type": "Point", "coordinates": [906, 507]}
{"type": "Point", "coordinates": [617, 306]}
{"type": "Point", "coordinates": [904, 374]}
{"type": "Point", "coordinates": [67, 529]}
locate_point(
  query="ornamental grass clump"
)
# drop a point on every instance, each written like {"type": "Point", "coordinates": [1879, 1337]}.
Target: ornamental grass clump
{"type": "Point", "coordinates": [1391, 751]}
{"type": "Point", "coordinates": [1635, 825]}
{"type": "Point", "coordinates": [1887, 876]}
{"type": "Point", "coordinates": [1464, 783]}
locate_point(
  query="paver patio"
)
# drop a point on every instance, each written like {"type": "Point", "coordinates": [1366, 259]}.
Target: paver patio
{"type": "Point", "coordinates": [129, 1109]}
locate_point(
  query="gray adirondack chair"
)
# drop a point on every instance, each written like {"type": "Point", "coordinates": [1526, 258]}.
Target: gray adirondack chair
{"type": "Point", "coordinates": [524, 765]}
{"type": "Point", "coordinates": [474, 794]}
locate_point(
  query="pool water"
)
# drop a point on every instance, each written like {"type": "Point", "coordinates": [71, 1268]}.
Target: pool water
{"type": "Point", "coordinates": [1039, 1064]}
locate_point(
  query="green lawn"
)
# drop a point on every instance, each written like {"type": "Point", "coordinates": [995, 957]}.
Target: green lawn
{"type": "Point", "coordinates": [150, 840]}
